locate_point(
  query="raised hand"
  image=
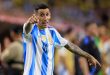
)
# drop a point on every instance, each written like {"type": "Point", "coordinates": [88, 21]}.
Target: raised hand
{"type": "Point", "coordinates": [33, 19]}
{"type": "Point", "coordinates": [28, 25]}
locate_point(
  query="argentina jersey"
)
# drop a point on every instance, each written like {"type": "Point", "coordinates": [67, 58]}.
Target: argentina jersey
{"type": "Point", "coordinates": [39, 47]}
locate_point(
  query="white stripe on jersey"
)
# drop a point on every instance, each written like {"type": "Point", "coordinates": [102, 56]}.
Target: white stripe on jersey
{"type": "Point", "coordinates": [38, 58]}
{"type": "Point", "coordinates": [50, 53]}
{"type": "Point", "coordinates": [28, 59]}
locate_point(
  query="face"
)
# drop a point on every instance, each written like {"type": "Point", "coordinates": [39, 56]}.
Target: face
{"type": "Point", "coordinates": [70, 36]}
{"type": "Point", "coordinates": [102, 30]}
{"type": "Point", "coordinates": [93, 29]}
{"type": "Point", "coordinates": [6, 42]}
{"type": "Point", "coordinates": [43, 16]}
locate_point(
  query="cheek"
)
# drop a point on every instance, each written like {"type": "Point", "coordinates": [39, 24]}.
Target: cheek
{"type": "Point", "coordinates": [95, 32]}
{"type": "Point", "coordinates": [49, 18]}
{"type": "Point", "coordinates": [103, 30]}
{"type": "Point", "coordinates": [41, 19]}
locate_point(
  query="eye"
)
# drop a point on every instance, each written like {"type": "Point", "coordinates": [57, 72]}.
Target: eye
{"type": "Point", "coordinates": [41, 14]}
{"type": "Point", "coordinates": [47, 14]}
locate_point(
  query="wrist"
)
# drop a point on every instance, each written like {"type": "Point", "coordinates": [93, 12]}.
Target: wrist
{"type": "Point", "coordinates": [89, 57]}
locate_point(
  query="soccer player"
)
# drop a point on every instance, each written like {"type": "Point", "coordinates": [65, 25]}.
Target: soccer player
{"type": "Point", "coordinates": [40, 39]}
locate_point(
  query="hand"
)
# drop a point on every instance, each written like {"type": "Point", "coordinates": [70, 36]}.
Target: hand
{"type": "Point", "coordinates": [93, 61]}
{"type": "Point", "coordinates": [33, 19]}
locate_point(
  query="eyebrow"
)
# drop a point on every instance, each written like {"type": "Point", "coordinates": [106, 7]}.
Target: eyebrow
{"type": "Point", "coordinates": [44, 12]}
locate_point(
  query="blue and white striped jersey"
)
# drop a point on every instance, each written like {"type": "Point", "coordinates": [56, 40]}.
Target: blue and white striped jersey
{"type": "Point", "coordinates": [39, 47]}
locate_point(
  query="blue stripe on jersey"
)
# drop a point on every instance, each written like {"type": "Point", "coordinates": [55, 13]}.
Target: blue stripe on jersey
{"type": "Point", "coordinates": [24, 48]}
{"type": "Point", "coordinates": [44, 63]}
{"type": "Point", "coordinates": [42, 31]}
{"type": "Point", "coordinates": [34, 42]}
{"type": "Point", "coordinates": [34, 37]}
{"type": "Point", "coordinates": [44, 58]}
{"type": "Point", "coordinates": [54, 37]}
{"type": "Point", "coordinates": [31, 72]}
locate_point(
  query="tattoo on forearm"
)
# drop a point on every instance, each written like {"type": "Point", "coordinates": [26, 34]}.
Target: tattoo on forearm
{"type": "Point", "coordinates": [28, 28]}
{"type": "Point", "coordinates": [75, 49]}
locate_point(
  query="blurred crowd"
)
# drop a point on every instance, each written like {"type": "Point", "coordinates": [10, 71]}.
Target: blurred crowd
{"type": "Point", "coordinates": [11, 53]}
{"type": "Point", "coordinates": [95, 40]}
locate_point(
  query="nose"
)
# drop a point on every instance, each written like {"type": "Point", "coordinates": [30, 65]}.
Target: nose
{"type": "Point", "coordinates": [45, 17]}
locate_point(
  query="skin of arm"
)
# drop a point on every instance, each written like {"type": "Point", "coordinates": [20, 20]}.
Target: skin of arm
{"type": "Point", "coordinates": [84, 65]}
{"type": "Point", "coordinates": [9, 53]}
{"type": "Point", "coordinates": [27, 27]}
{"type": "Point", "coordinates": [75, 49]}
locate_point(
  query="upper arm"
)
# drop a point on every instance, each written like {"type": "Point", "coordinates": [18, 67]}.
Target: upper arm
{"type": "Point", "coordinates": [4, 55]}
{"type": "Point", "coordinates": [10, 52]}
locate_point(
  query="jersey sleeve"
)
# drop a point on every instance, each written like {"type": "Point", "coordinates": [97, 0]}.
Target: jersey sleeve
{"type": "Point", "coordinates": [59, 41]}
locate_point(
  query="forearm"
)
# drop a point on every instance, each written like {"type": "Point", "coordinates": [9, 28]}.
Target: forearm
{"type": "Point", "coordinates": [27, 27]}
{"type": "Point", "coordinates": [75, 49]}
{"type": "Point", "coordinates": [5, 55]}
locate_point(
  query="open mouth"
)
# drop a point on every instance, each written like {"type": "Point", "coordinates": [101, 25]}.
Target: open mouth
{"type": "Point", "coordinates": [44, 23]}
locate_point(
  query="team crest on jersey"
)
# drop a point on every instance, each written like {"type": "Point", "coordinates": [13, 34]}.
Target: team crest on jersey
{"type": "Point", "coordinates": [44, 38]}
{"type": "Point", "coordinates": [50, 40]}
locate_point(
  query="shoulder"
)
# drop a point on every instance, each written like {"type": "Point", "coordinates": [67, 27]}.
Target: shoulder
{"type": "Point", "coordinates": [27, 28]}
{"type": "Point", "coordinates": [15, 44]}
{"type": "Point", "coordinates": [51, 28]}
{"type": "Point", "coordinates": [34, 28]}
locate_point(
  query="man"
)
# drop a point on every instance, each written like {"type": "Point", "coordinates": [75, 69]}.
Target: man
{"type": "Point", "coordinates": [88, 44]}
{"type": "Point", "coordinates": [103, 45]}
{"type": "Point", "coordinates": [13, 54]}
{"type": "Point", "coordinates": [40, 39]}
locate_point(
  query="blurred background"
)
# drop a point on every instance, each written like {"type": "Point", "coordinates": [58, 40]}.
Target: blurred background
{"type": "Point", "coordinates": [84, 22]}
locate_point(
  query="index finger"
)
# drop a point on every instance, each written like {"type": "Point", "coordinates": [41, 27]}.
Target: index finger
{"type": "Point", "coordinates": [35, 17]}
{"type": "Point", "coordinates": [98, 63]}
{"type": "Point", "coordinates": [95, 64]}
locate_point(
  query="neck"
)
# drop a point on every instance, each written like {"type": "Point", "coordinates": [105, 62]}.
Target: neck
{"type": "Point", "coordinates": [89, 34]}
{"type": "Point", "coordinates": [40, 26]}
{"type": "Point", "coordinates": [18, 38]}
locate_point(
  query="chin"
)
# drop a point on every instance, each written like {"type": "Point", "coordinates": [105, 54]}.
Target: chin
{"type": "Point", "coordinates": [45, 25]}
